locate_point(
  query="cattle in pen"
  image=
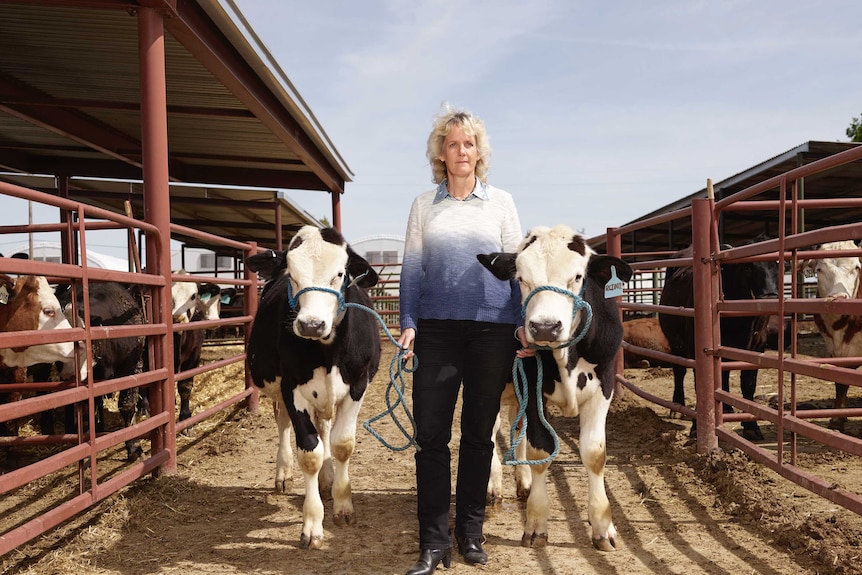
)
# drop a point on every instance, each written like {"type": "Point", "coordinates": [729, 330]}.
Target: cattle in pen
{"type": "Point", "coordinates": [187, 307]}
{"type": "Point", "coordinates": [558, 272]}
{"type": "Point", "coordinates": [838, 278]}
{"type": "Point", "coordinates": [739, 281]}
{"type": "Point", "coordinates": [26, 304]}
{"type": "Point", "coordinates": [314, 356]}
{"type": "Point", "coordinates": [644, 332]}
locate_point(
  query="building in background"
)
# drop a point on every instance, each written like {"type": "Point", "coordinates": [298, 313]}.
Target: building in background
{"type": "Point", "coordinates": [385, 253]}
{"type": "Point", "coordinates": [53, 252]}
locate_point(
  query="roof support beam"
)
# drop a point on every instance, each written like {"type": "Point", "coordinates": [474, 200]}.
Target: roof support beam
{"type": "Point", "coordinates": [70, 124]}
{"type": "Point", "coordinates": [194, 30]}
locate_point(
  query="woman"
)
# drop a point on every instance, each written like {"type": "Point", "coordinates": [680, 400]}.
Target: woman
{"type": "Point", "coordinates": [461, 320]}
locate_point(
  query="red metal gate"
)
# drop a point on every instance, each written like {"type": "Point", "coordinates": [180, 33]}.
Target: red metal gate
{"type": "Point", "coordinates": [791, 246]}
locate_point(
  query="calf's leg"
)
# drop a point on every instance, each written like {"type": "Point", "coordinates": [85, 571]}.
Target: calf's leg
{"type": "Point", "coordinates": [284, 456]}
{"type": "Point", "coordinates": [310, 455]}
{"type": "Point", "coordinates": [837, 423]}
{"type": "Point", "coordinates": [343, 442]}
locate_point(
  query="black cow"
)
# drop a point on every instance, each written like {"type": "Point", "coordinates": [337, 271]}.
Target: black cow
{"type": "Point", "coordinates": [314, 357]}
{"type": "Point", "coordinates": [579, 378]}
{"type": "Point", "coordinates": [114, 304]}
{"type": "Point", "coordinates": [757, 280]}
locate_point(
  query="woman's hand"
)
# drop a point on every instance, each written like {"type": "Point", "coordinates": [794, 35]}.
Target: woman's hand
{"type": "Point", "coordinates": [526, 350]}
{"type": "Point", "coordinates": [406, 339]}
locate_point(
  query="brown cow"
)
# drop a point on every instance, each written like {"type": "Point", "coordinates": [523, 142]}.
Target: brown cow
{"type": "Point", "coordinates": [27, 304]}
{"type": "Point", "coordinates": [32, 305]}
{"type": "Point", "coordinates": [644, 332]}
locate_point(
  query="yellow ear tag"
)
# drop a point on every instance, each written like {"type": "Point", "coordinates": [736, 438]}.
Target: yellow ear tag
{"type": "Point", "coordinates": [614, 287]}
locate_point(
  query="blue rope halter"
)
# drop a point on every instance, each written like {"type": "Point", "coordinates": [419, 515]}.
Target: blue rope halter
{"type": "Point", "coordinates": [519, 378]}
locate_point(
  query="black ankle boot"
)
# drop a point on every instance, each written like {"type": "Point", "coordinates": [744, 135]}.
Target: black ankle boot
{"type": "Point", "coordinates": [429, 559]}
{"type": "Point", "coordinates": [471, 549]}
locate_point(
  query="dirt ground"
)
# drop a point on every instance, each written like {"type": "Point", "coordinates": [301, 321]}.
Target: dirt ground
{"type": "Point", "coordinates": [675, 511]}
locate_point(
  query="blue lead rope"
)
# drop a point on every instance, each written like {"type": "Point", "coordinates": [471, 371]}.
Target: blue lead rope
{"type": "Point", "coordinates": [397, 367]}
{"type": "Point", "coordinates": [519, 380]}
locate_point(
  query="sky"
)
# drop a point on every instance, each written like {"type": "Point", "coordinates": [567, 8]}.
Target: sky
{"type": "Point", "coordinates": [598, 112]}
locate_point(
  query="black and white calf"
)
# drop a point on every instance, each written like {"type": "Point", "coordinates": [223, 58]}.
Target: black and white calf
{"type": "Point", "coordinates": [314, 357]}
{"type": "Point", "coordinates": [557, 272]}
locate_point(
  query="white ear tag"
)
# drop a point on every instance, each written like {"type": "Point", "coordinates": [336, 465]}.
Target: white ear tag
{"type": "Point", "coordinates": [614, 287]}
{"type": "Point", "coordinates": [4, 295]}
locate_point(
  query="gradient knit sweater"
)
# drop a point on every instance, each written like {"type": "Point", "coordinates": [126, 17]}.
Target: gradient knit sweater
{"type": "Point", "coordinates": [440, 276]}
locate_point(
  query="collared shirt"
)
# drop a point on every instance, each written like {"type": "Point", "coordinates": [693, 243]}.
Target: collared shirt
{"type": "Point", "coordinates": [480, 191]}
{"type": "Point", "coordinates": [441, 278]}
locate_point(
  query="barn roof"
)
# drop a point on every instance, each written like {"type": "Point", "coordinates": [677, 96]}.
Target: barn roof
{"type": "Point", "coordinates": [70, 105]}
{"type": "Point", "coordinates": [842, 182]}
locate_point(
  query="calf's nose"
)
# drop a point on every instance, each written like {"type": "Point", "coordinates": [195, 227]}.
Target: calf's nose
{"type": "Point", "coordinates": [311, 328]}
{"type": "Point", "coordinates": [545, 330]}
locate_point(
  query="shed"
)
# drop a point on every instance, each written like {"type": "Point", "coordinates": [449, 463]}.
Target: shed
{"type": "Point", "coordinates": [72, 85]}
{"type": "Point", "coordinates": [841, 183]}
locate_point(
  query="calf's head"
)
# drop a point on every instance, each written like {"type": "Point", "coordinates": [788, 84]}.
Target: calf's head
{"type": "Point", "coordinates": [32, 305]}
{"type": "Point", "coordinates": [210, 295]}
{"type": "Point", "coordinates": [836, 277]}
{"type": "Point", "coordinates": [321, 267]}
{"type": "Point", "coordinates": [553, 267]}
{"type": "Point", "coordinates": [184, 298]}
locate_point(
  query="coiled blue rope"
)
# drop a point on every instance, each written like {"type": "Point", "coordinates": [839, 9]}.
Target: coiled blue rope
{"type": "Point", "coordinates": [519, 380]}
{"type": "Point", "coordinates": [397, 368]}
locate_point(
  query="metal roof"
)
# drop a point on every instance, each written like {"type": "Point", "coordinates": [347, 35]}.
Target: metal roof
{"type": "Point", "coordinates": [70, 105]}
{"type": "Point", "coordinates": [839, 183]}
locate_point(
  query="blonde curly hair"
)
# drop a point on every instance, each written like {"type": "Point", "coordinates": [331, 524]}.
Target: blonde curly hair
{"type": "Point", "coordinates": [472, 126]}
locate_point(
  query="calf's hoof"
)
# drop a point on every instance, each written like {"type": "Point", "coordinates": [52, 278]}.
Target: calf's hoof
{"type": "Point", "coordinates": [604, 543]}
{"type": "Point", "coordinates": [534, 540]}
{"type": "Point", "coordinates": [133, 451]}
{"type": "Point", "coordinates": [752, 433]}
{"type": "Point", "coordinates": [313, 542]}
{"type": "Point", "coordinates": [342, 519]}
{"type": "Point", "coordinates": [523, 493]}
{"type": "Point", "coordinates": [837, 423]}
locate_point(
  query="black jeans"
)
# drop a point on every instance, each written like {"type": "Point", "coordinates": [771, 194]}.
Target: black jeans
{"type": "Point", "coordinates": [449, 353]}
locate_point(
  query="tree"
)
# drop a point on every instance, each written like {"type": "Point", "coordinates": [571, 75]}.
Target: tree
{"type": "Point", "coordinates": [854, 132]}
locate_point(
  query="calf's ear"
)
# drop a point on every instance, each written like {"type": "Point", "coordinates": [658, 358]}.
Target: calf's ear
{"type": "Point", "coordinates": [360, 270]}
{"type": "Point", "coordinates": [599, 269]}
{"type": "Point", "coordinates": [501, 264]}
{"type": "Point", "coordinates": [267, 263]}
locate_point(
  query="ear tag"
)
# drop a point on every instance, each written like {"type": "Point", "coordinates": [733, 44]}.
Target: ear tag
{"type": "Point", "coordinates": [4, 295]}
{"type": "Point", "coordinates": [614, 287]}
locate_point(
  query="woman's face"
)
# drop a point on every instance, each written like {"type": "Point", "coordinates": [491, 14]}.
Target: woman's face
{"type": "Point", "coordinates": [460, 153]}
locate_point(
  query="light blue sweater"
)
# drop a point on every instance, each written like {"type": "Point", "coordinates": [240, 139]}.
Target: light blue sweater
{"type": "Point", "coordinates": [440, 275]}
